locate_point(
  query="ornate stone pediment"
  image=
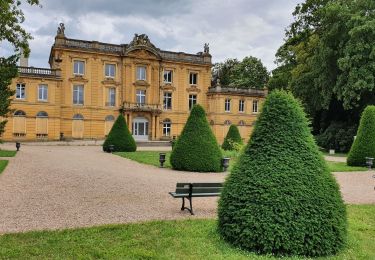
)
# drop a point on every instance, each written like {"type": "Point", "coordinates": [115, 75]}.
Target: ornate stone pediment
{"type": "Point", "coordinates": [77, 78]}
{"type": "Point", "coordinates": [142, 42]}
{"type": "Point", "coordinates": [141, 83]}
{"type": "Point", "coordinates": [109, 81]}
{"type": "Point", "coordinates": [168, 86]}
{"type": "Point", "coordinates": [193, 88]}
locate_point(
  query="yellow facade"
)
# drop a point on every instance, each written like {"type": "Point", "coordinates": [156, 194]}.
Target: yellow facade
{"type": "Point", "coordinates": [89, 82]}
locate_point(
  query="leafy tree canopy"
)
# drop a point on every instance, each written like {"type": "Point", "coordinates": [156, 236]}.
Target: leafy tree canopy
{"type": "Point", "coordinates": [248, 73]}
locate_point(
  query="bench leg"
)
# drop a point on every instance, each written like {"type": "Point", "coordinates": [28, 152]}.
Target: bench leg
{"type": "Point", "coordinates": [191, 205]}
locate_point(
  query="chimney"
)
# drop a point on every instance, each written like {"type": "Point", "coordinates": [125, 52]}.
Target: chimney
{"type": "Point", "coordinates": [24, 62]}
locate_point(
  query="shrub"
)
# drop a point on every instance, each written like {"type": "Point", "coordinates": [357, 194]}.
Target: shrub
{"type": "Point", "coordinates": [233, 137]}
{"type": "Point", "coordinates": [120, 137]}
{"type": "Point", "coordinates": [280, 197]}
{"type": "Point", "coordinates": [364, 144]}
{"type": "Point", "coordinates": [196, 148]}
{"type": "Point", "coordinates": [338, 136]}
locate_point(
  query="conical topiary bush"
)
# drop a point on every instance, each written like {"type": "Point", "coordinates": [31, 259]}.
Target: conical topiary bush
{"type": "Point", "coordinates": [233, 139]}
{"type": "Point", "coordinates": [364, 144]}
{"type": "Point", "coordinates": [196, 148]}
{"type": "Point", "coordinates": [280, 197]}
{"type": "Point", "coordinates": [120, 137]}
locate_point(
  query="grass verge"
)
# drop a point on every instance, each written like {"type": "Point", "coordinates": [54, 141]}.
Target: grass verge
{"type": "Point", "coordinates": [187, 239]}
{"type": "Point", "coordinates": [3, 164]}
{"type": "Point", "coordinates": [342, 167]}
{"type": "Point", "coordinates": [146, 157]}
{"type": "Point", "coordinates": [6, 153]}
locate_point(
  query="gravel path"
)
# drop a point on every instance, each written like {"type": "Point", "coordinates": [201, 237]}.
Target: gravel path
{"type": "Point", "coordinates": [54, 187]}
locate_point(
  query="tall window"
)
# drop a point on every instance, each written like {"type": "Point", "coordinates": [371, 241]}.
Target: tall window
{"type": "Point", "coordinates": [193, 79]}
{"type": "Point", "coordinates": [79, 67]}
{"type": "Point", "coordinates": [167, 100]}
{"type": "Point", "coordinates": [192, 101]}
{"type": "Point", "coordinates": [241, 105]}
{"type": "Point", "coordinates": [141, 73]}
{"type": "Point", "coordinates": [110, 70]}
{"type": "Point", "coordinates": [43, 93]}
{"type": "Point", "coordinates": [168, 76]}
{"type": "Point", "coordinates": [78, 95]}
{"type": "Point", "coordinates": [111, 97]}
{"type": "Point", "coordinates": [227, 105]}
{"type": "Point", "coordinates": [255, 106]}
{"type": "Point", "coordinates": [141, 96]}
{"type": "Point", "coordinates": [20, 91]}
{"type": "Point", "coordinates": [167, 127]}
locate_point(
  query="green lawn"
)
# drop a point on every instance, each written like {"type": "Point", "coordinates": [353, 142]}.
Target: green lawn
{"type": "Point", "coordinates": [342, 167]}
{"type": "Point", "coordinates": [5, 153]}
{"type": "Point", "coordinates": [336, 154]}
{"type": "Point", "coordinates": [187, 239]}
{"type": "Point", "coordinates": [3, 164]}
{"type": "Point", "coordinates": [146, 157]}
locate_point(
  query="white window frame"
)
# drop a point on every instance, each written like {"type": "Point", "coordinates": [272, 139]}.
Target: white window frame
{"type": "Point", "coordinates": [192, 100]}
{"type": "Point", "coordinates": [111, 72]}
{"type": "Point", "coordinates": [255, 106]}
{"type": "Point", "coordinates": [142, 73]}
{"type": "Point", "coordinates": [80, 69]}
{"type": "Point", "coordinates": [167, 129]}
{"type": "Point", "coordinates": [21, 91]}
{"type": "Point", "coordinates": [227, 105]}
{"type": "Point", "coordinates": [241, 106]}
{"type": "Point", "coordinates": [43, 89]}
{"type": "Point", "coordinates": [193, 78]}
{"type": "Point", "coordinates": [140, 96]}
{"type": "Point", "coordinates": [167, 96]}
{"type": "Point", "coordinates": [168, 76]}
{"type": "Point", "coordinates": [78, 91]}
{"type": "Point", "coordinates": [111, 97]}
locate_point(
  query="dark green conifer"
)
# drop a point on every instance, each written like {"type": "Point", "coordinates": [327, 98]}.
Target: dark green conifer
{"type": "Point", "coordinates": [120, 137]}
{"type": "Point", "coordinates": [233, 139]}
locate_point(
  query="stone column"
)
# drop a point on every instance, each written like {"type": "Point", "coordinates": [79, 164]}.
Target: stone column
{"type": "Point", "coordinates": [157, 134]}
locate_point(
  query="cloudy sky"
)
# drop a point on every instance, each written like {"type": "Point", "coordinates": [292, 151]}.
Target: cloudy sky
{"type": "Point", "coordinates": [233, 28]}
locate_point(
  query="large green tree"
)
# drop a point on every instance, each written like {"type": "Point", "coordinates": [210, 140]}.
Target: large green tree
{"type": "Point", "coordinates": [11, 31]}
{"type": "Point", "coordinates": [328, 60]}
{"type": "Point", "coordinates": [248, 73]}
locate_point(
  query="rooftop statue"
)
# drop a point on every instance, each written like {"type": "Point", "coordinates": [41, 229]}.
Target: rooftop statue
{"type": "Point", "coordinates": [61, 29]}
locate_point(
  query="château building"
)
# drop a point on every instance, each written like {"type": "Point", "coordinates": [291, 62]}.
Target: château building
{"type": "Point", "coordinates": [89, 83]}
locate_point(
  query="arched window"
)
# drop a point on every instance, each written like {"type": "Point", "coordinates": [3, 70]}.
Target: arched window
{"type": "Point", "coordinates": [78, 117]}
{"type": "Point", "coordinates": [42, 114]}
{"type": "Point", "coordinates": [109, 118]}
{"type": "Point", "coordinates": [241, 123]}
{"type": "Point", "coordinates": [227, 122]}
{"type": "Point", "coordinates": [212, 122]}
{"type": "Point", "coordinates": [167, 127]}
{"type": "Point", "coordinates": [19, 113]}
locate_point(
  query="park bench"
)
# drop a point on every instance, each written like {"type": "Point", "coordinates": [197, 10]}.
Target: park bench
{"type": "Point", "coordinates": [190, 190]}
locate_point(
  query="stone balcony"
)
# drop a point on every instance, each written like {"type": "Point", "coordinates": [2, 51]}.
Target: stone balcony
{"type": "Point", "coordinates": [39, 72]}
{"type": "Point", "coordinates": [142, 107]}
{"type": "Point", "coordinates": [239, 91]}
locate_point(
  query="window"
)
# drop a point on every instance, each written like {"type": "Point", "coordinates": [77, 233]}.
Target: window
{"type": "Point", "coordinates": [168, 76]}
{"type": "Point", "coordinates": [141, 97]}
{"type": "Point", "coordinates": [227, 105]}
{"type": "Point", "coordinates": [79, 67]}
{"type": "Point", "coordinates": [78, 117]}
{"type": "Point", "coordinates": [193, 78]}
{"type": "Point", "coordinates": [141, 73]}
{"type": "Point", "coordinates": [43, 93]}
{"type": "Point", "coordinates": [192, 101]}
{"type": "Point", "coordinates": [111, 97]}
{"type": "Point", "coordinates": [78, 95]}
{"type": "Point", "coordinates": [42, 114]}
{"type": "Point", "coordinates": [167, 101]}
{"type": "Point", "coordinates": [241, 106]}
{"type": "Point", "coordinates": [255, 106]}
{"type": "Point", "coordinates": [20, 91]}
{"type": "Point", "coordinates": [167, 127]}
{"type": "Point", "coordinates": [19, 113]}
{"type": "Point", "coordinates": [241, 123]}
{"type": "Point", "coordinates": [110, 70]}
{"type": "Point", "coordinates": [227, 122]}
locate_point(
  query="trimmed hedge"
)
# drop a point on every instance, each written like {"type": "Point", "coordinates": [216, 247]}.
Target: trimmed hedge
{"type": "Point", "coordinates": [196, 148]}
{"type": "Point", "coordinates": [233, 137]}
{"type": "Point", "coordinates": [120, 137]}
{"type": "Point", "coordinates": [364, 144]}
{"type": "Point", "coordinates": [280, 197]}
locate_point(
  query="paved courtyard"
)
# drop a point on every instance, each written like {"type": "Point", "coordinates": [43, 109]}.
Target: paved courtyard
{"type": "Point", "coordinates": [54, 187]}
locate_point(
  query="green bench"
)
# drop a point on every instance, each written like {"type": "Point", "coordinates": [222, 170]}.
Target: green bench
{"type": "Point", "coordinates": [190, 190]}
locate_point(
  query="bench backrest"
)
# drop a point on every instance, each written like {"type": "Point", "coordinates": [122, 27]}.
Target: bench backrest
{"type": "Point", "coordinates": [191, 188]}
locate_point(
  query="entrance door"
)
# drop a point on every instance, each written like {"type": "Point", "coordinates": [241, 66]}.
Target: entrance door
{"type": "Point", "coordinates": [140, 129]}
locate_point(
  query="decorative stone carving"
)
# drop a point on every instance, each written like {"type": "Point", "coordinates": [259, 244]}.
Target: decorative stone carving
{"type": "Point", "coordinates": [142, 42]}
{"type": "Point", "coordinates": [61, 30]}
{"type": "Point", "coordinates": [206, 48]}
